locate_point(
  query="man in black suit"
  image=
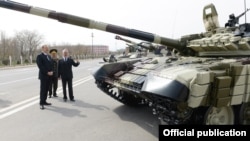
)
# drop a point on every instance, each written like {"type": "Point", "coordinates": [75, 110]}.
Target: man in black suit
{"type": "Point", "coordinates": [44, 64]}
{"type": "Point", "coordinates": [66, 74]}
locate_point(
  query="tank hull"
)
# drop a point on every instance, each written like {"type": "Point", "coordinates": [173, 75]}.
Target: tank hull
{"type": "Point", "coordinates": [190, 83]}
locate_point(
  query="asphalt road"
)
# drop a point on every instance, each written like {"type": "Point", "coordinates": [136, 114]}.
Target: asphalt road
{"type": "Point", "coordinates": [94, 116]}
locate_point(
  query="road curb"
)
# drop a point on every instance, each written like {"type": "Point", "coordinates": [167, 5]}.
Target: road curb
{"type": "Point", "coordinates": [16, 67]}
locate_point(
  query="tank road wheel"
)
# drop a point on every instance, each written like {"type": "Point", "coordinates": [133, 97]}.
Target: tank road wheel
{"type": "Point", "coordinates": [130, 99]}
{"type": "Point", "coordinates": [198, 115]}
{"type": "Point", "coordinates": [219, 116]}
{"type": "Point", "coordinates": [244, 115]}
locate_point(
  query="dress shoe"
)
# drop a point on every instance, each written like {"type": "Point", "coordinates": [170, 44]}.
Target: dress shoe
{"type": "Point", "coordinates": [55, 95]}
{"type": "Point", "coordinates": [49, 96]}
{"type": "Point", "coordinates": [42, 107]}
{"type": "Point", "coordinates": [72, 100]}
{"type": "Point", "coordinates": [47, 103]}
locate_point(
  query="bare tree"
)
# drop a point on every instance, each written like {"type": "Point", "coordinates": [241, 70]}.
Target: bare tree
{"type": "Point", "coordinates": [87, 51]}
{"type": "Point", "coordinates": [7, 48]}
{"type": "Point", "coordinates": [3, 45]}
{"type": "Point", "coordinates": [77, 50]}
{"type": "Point", "coordinates": [14, 50]}
{"type": "Point", "coordinates": [28, 41]}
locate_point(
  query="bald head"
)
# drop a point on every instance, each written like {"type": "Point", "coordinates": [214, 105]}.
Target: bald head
{"type": "Point", "coordinates": [45, 49]}
{"type": "Point", "coordinates": [65, 52]}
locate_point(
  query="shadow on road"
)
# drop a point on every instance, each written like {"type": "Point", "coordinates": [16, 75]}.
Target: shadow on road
{"type": "Point", "coordinates": [4, 103]}
{"type": "Point", "coordinates": [68, 112]}
{"type": "Point", "coordinates": [83, 104]}
{"type": "Point", "coordinates": [142, 116]}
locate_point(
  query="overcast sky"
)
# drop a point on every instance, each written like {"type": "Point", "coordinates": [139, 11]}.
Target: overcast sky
{"type": "Point", "coordinates": [167, 18]}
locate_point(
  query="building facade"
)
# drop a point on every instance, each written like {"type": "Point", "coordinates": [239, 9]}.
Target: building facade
{"type": "Point", "coordinates": [98, 49]}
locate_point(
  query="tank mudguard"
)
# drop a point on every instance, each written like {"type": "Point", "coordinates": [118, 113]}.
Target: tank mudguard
{"type": "Point", "coordinates": [165, 87]}
{"type": "Point", "coordinates": [108, 70]}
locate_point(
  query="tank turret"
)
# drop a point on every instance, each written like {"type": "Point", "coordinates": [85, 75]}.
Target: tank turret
{"type": "Point", "coordinates": [231, 40]}
{"type": "Point", "coordinates": [207, 81]}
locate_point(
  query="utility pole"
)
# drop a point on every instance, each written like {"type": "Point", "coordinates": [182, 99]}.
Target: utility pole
{"type": "Point", "coordinates": [245, 10]}
{"type": "Point", "coordinates": [92, 36]}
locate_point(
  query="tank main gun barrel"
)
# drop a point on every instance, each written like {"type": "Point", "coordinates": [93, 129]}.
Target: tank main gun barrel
{"type": "Point", "coordinates": [125, 40]}
{"type": "Point", "coordinates": [88, 23]}
{"type": "Point", "coordinates": [146, 45]}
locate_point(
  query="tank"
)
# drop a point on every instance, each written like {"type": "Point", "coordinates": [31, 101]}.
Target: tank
{"type": "Point", "coordinates": [134, 49]}
{"type": "Point", "coordinates": [131, 51]}
{"type": "Point", "coordinates": [205, 79]}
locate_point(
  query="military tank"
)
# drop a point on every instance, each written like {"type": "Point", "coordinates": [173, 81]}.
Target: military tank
{"type": "Point", "coordinates": [131, 49]}
{"type": "Point", "coordinates": [128, 53]}
{"type": "Point", "coordinates": [206, 80]}
{"type": "Point", "coordinates": [134, 49]}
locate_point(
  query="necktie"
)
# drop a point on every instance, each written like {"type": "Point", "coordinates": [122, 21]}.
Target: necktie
{"type": "Point", "coordinates": [48, 58]}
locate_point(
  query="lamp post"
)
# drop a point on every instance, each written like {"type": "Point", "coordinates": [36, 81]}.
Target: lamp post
{"type": "Point", "coordinates": [92, 36]}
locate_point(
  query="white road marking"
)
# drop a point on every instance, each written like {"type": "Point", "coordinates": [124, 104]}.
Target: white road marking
{"type": "Point", "coordinates": [18, 109]}
{"type": "Point", "coordinates": [17, 71]}
{"type": "Point", "coordinates": [34, 100]}
{"type": "Point", "coordinates": [3, 93]}
{"type": "Point", "coordinates": [18, 104]}
{"type": "Point", "coordinates": [4, 83]}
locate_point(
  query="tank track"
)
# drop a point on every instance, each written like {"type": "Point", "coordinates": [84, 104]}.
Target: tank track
{"type": "Point", "coordinates": [169, 111]}
{"type": "Point", "coordinates": [119, 95]}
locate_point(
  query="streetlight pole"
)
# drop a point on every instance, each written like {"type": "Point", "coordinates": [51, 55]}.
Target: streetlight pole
{"type": "Point", "coordinates": [92, 36]}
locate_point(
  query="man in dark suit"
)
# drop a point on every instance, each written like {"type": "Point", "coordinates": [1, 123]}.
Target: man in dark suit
{"type": "Point", "coordinates": [66, 74]}
{"type": "Point", "coordinates": [44, 64]}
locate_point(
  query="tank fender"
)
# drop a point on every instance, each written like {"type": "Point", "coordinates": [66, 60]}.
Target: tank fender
{"type": "Point", "coordinates": [107, 70]}
{"type": "Point", "coordinates": [165, 87]}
